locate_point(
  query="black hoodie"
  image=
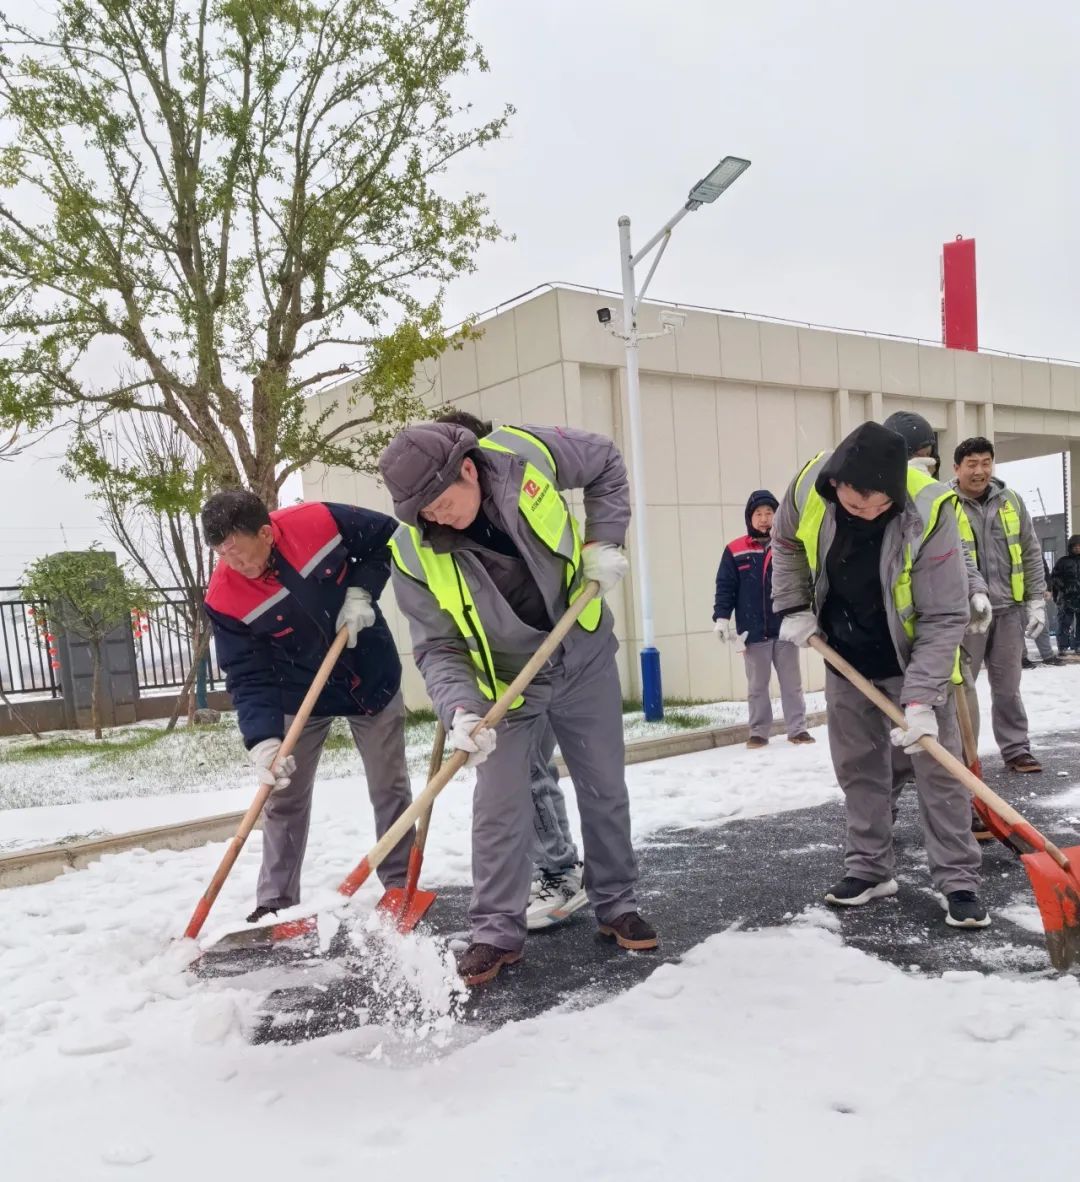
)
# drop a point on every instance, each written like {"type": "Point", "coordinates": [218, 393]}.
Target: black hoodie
{"type": "Point", "coordinates": [853, 618]}
{"type": "Point", "coordinates": [1065, 581]}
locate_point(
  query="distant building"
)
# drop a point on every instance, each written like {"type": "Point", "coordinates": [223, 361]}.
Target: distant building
{"type": "Point", "coordinates": [729, 404]}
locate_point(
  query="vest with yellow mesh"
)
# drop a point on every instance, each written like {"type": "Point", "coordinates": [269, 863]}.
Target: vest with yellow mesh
{"type": "Point", "coordinates": [928, 496]}
{"type": "Point", "coordinates": [545, 512]}
{"type": "Point", "coordinates": [1010, 524]}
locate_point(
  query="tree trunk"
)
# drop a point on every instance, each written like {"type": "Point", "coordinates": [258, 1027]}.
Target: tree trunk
{"type": "Point", "coordinates": [95, 688]}
{"type": "Point", "coordinates": [185, 691]}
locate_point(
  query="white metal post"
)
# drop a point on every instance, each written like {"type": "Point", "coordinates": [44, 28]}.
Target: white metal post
{"type": "Point", "coordinates": [651, 690]}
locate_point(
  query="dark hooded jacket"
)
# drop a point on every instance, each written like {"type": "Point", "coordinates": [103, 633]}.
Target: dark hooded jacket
{"type": "Point", "coordinates": [1065, 577]}
{"type": "Point", "coordinates": [872, 459]}
{"type": "Point", "coordinates": [744, 579]}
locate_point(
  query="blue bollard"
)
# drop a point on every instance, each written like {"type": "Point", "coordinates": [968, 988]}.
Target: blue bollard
{"type": "Point", "coordinates": [652, 692]}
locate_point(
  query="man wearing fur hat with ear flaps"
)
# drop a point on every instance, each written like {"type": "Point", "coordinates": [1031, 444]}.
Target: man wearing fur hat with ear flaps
{"type": "Point", "coordinates": [487, 558]}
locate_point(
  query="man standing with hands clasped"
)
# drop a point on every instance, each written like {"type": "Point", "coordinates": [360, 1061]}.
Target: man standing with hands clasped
{"type": "Point", "coordinates": [744, 586]}
{"type": "Point", "coordinates": [1009, 556]}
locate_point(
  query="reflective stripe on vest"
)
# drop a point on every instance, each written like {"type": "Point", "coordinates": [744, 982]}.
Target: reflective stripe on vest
{"type": "Point", "coordinates": [1010, 525]}
{"type": "Point", "coordinates": [926, 493]}
{"type": "Point", "coordinates": [547, 515]}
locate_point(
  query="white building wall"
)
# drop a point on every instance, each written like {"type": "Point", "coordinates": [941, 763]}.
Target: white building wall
{"type": "Point", "coordinates": [729, 405]}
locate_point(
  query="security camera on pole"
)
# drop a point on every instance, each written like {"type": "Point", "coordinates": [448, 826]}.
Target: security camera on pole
{"type": "Point", "coordinates": [703, 193]}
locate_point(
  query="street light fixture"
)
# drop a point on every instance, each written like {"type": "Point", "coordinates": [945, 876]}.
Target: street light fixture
{"type": "Point", "coordinates": [703, 193]}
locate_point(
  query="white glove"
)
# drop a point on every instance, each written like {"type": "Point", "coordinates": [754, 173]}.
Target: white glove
{"type": "Point", "coordinates": [739, 643]}
{"type": "Point", "coordinates": [1036, 619]}
{"type": "Point", "coordinates": [918, 721]}
{"type": "Point", "coordinates": [478, 746]}
{"type": "Point", "coordinates": [262, 759]}
{"type": "Point", "coordinates": [604, 563]}
{"type": "Point", "coordinates": [798, 628]}
{"type": "Point", "coordinates": [356, 614]}
{"type": "Point", "coordinates": [724, 631]}
{"type": "Point", "coordinates": [981, 613]}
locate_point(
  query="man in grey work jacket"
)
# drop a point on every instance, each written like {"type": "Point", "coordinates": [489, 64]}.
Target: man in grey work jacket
{"type": "Point", "coordinates": [1009, 557]}
{"type": "Point", "coordinates": [868, 552]}
{"type": "Point", "coordinates": [488, 557]}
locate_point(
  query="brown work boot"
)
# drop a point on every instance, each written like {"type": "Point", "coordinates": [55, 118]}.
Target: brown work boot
{"type": "Point", "coordinates": [979, 830]}
{"type": "Point", "coordinates": [1024, 762]}
{"type": "Point", "coordinates": [629, 930]}
{"type": "Point", "coordinates": [756, 742]}
{"type": "Point", "coordinates": [482, 962]}
{"type": "Point", "coordinates": [801, 738]}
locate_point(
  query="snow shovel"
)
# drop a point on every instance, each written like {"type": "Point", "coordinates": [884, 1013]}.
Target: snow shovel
{"type": "Point", "coordinates": [289, 929]}
{"type": "Point", "coordinates": [202, 909]}
{"type": "Point", "coordinates": [994, 825]}
{"type": "Point", "coordinates": [1051, 871]}
{"type": "Point", "coordinates": [407, 905]}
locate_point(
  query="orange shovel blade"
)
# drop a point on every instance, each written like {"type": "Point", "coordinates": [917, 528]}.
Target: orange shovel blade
{"type": "Point", "coordinates": [404, 909]}
{"type": "Point", "coordinates": [1057, 892]}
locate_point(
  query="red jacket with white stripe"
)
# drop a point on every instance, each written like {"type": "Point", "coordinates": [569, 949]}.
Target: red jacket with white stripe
{"type": "Point", "coordinates": [272, 632]}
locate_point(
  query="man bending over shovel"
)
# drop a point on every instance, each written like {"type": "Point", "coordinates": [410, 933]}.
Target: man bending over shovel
{"type": "Point", "coordinates": [487, 558]}
{"type": "Point", "coordinates": [867, 551]}
{"type": "Point", "coordinates": [287, 582]}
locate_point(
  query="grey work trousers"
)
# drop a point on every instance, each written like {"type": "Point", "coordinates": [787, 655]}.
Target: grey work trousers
{"type": "Point", "coordinates": [585, 710]}
{"type": "Point", "coordinates": [1001, 650]}
{"type": "Point", "coordinates": [553, 849]}
{"type": "Point", "coordinates": [761, 659]}
{"type": "Point", "coordinates": [863, 758]}
{"type": "Point", "coordinates": [380, 739]}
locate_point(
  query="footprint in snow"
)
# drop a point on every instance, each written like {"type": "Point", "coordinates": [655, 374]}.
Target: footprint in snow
{"type": "Point", "coordinates": [126, 1155]}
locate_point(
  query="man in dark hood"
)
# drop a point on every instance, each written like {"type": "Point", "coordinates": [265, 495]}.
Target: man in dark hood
{"type": "Point", "coordinates": [744, 586]}
{"type": "Point", "coordinates": [1065, 584]}
{"type": "Point", "coordinates": [881, 572]}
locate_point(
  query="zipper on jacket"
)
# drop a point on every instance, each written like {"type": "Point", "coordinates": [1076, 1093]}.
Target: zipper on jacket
{"type": "Point", "coordinates": [481, 648]}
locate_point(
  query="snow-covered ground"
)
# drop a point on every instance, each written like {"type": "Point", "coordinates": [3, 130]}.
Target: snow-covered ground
{"type": "Point", "coordinates": [203, 772]}
{"type": "Point", "coordinates": [761, 1056]}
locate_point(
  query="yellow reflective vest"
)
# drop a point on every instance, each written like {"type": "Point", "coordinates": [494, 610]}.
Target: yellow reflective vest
{"type": "Point", "coordinates": [542, 507]}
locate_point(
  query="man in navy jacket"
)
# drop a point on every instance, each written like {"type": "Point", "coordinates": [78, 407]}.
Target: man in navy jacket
{"type": "Point", "coordinates": [285, 584]}
{"type": "Point", "coordinates": [744, 586]}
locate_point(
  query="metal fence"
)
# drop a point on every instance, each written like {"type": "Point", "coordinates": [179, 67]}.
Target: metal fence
{"type": "Point", "coordinates": [163, 648]}
{"type": "Point", "coordinates": [25, 664]}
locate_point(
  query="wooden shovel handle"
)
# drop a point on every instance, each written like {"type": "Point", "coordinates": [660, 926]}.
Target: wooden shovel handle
{"type": "Point", "coordinates": [456, 762]}
{"type": "Point", "coordinates": [967, 727]}
{"type": "Point", "coordinates": [434, 764]}
{"type": "Point", "coordinates": [947, 760]}
{"type": "Point", "coordinates": [247, 823]}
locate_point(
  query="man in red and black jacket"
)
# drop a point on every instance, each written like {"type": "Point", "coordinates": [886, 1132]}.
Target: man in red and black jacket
{"type": "Point", "coordinates": [285, 584]}
{"type": "Point", "coordinates": [744, 586]}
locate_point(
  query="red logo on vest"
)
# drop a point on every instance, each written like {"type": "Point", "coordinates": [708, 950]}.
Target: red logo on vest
{"type": "Point", "coordinates": [531, 488]}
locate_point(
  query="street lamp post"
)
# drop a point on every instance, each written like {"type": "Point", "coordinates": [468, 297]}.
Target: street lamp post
{"type": "Point", "coordinates": [703, 193]}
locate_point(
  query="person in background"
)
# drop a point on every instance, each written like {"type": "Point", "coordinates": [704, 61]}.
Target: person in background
{"type": "Point", "coordinates": [557, 891]}
{"type": "Point", "coordinates": [744, 587]}
{"type": "Point", "coordinates": [1009, 556]}
{"type": "Point", "coordinates": [1042, 641]}
{"type": "Point", "coordinates": [1065, 583]}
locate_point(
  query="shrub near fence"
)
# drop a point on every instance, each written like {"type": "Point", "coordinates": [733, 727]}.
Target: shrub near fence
{"type": "Point", "coordinates": [163, 648]}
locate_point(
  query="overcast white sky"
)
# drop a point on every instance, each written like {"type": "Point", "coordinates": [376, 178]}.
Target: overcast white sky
{"type": "Point", "coordinates": [877, 131]}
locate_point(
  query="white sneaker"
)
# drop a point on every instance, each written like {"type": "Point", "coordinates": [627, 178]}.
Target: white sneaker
{"type": "Point", "coordinates": [555, 897]}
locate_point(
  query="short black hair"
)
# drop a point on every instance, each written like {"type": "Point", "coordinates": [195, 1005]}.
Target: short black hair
{"type": "Point", "coordinates": [462, 418]}
{"type": "Point", "coordinates": [232, 511]}
{"type": "Point", "coordinates": [975, 446]}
